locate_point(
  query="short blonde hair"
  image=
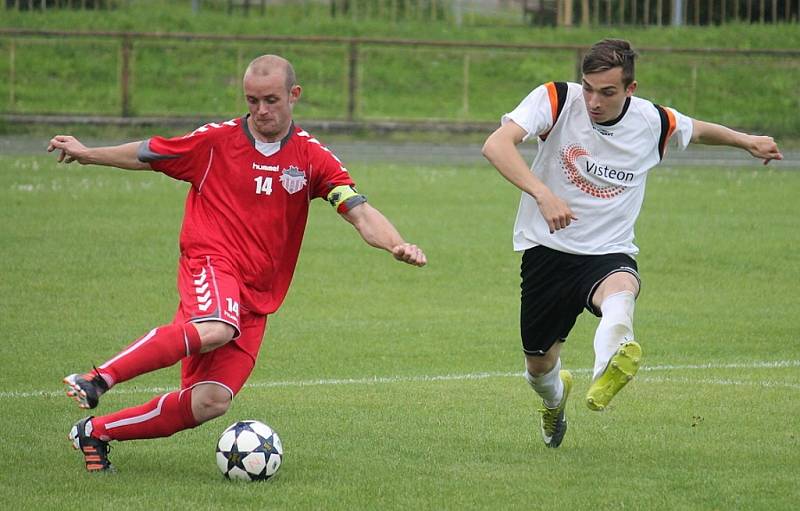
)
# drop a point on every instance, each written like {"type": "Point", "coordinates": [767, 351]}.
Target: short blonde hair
{"type": "Point", "coordinates": [267, 64]}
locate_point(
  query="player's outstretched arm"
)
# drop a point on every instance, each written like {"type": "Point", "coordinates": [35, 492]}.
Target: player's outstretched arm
{"type": "Point", "coordinates": [378, 232]}
{"type": "Point", "coordinates": [761, 147]}
{"type": "Point", "coordinates": [121, 156]}
{"type": "Point", "coordinates": [501, 151]}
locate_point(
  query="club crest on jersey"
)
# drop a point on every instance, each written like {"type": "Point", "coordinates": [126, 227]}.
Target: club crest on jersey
{"type": "Point", "coordinates": [293, 179]}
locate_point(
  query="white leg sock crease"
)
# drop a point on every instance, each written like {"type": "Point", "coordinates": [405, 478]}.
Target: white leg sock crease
{"type": "Point", "coordinates": [549, 385]}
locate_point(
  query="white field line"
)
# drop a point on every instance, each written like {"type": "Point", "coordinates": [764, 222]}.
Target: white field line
{"type": "Point", "coordinates": [721, 381]}
{"type": "Point", "coordinates": [377, 380]}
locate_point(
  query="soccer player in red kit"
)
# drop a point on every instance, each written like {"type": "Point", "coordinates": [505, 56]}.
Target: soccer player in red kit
{"type": "Point", "coordinates": [251, 181]}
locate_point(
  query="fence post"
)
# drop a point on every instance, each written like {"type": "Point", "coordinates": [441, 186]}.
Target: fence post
{"type": "Point", "coordinates": [125, 75]}
{"type": "Point", "coordinates": [585, 21]}
{"type": "Point", "coordinates": [352, 80]}
{"type": "Point", "coordinates": [568, 8]}
{"type": "Point", "coordinates": [693, 101]}
{"type": "Point", "coordinates": [237, 79]}
{"type": "Point", "coordinates": [12, 71]}
{"type": "Point", "coordinates": [465, 93]}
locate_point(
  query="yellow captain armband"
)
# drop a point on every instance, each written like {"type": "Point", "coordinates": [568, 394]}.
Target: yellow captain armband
{"type": "Point", "coordinates": [344, 198]}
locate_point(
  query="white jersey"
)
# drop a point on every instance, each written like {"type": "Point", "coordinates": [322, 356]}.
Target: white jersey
{"type": "Point", "coordinates": [598, 169]}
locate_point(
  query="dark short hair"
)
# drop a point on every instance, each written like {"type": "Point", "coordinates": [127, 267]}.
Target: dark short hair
{"type": "Point", "coordinates": [608, 54]}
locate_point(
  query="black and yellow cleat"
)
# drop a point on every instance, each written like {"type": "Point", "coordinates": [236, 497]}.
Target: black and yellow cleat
{"type": "Point", "coordinates": [554, 420]}
{"type": "Point", "coordinates": [620, 370]}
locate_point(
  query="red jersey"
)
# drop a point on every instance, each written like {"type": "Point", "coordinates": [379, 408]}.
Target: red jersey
{"type": "Point", "coordinates": [248, 203]}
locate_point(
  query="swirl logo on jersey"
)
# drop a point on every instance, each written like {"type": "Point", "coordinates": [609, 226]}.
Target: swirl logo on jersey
{"type": "Point", "coordinates": [575, 158]}
{"type": "Point", "coordinates": [293, 179]}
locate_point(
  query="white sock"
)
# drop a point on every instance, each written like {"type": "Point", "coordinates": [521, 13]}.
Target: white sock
{"type": "Point", "coordinates": [549, 385]}
{"type": "Point", "coordinates": [615, 328]}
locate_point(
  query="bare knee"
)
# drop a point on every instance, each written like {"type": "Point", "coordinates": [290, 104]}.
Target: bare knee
{"type": "Point", "coordinates": [214, 334]}
{"type": "Point", "coordinates": [210, 401]}
{"type": "Point", "coordinates": [543, 364]}
{"type": "Point", "coordinates": [618, 282]}
{"type": "Point", "coordinates": [538, 366]}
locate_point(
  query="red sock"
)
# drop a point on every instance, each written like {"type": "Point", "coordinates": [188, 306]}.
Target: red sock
{"type": "Point", "coordinates": [161, 417]}
{"type": "Point", "coordinates": [161, 347]}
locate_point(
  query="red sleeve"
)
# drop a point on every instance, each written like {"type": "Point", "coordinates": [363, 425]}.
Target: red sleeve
{"type": "Point", "coordinates": [327, 171]}
{"type": "Point", "coordinates": [186, 158]}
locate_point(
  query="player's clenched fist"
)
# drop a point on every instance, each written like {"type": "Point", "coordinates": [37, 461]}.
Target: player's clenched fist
{"type": "Point", "coordinates": [555, 211]}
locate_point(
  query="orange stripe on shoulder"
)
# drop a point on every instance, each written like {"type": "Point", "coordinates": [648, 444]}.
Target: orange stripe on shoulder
{"type": "Point", "coordinates": [672, 122]}
{"type": "Point", "coordinates": [553, 96]}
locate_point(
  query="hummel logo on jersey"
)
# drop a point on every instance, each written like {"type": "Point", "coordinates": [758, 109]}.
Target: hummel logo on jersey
{"type": "Point", "coordinates": [204, 300]}
{"type": "Point", "coordinates": [603, 131]}
{"type": "Point", "coordinates": [293, 179]}
{"type": "Point", "coordinates": [266, 168]}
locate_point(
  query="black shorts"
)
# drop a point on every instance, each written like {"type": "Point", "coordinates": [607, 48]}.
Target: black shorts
{"type": "Point", "coordinates": [556, 287]}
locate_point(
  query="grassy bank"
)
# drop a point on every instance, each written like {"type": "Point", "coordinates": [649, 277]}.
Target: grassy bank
{"type": "Point", "coordinates": [308, 19]}
{"type": "Point", "coordinates": [176, 77]}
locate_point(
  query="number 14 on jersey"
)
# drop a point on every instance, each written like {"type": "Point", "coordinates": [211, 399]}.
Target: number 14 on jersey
{"type": "Point", "coordinates": [263, 185]}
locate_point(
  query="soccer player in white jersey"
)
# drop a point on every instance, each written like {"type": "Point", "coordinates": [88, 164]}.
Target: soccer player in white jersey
{"type": "Point", "coordinates": [580, 200]}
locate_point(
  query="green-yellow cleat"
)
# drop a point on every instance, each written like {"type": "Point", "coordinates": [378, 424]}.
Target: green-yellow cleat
{"type": "Point", "coordinates": [554, 422]}
{"type": "Point", "coordinates": [620, 370]}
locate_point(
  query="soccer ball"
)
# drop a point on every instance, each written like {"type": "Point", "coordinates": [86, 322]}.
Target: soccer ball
{"type": "Point", "coordinates": [249, 451]}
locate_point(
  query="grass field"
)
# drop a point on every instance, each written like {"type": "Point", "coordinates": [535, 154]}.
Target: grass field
{"type": "Point", "coordinates": [398, 388]}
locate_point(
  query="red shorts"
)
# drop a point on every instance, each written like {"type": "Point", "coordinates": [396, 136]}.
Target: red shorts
{"type": "Point", "coordinates": [209, 291]}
